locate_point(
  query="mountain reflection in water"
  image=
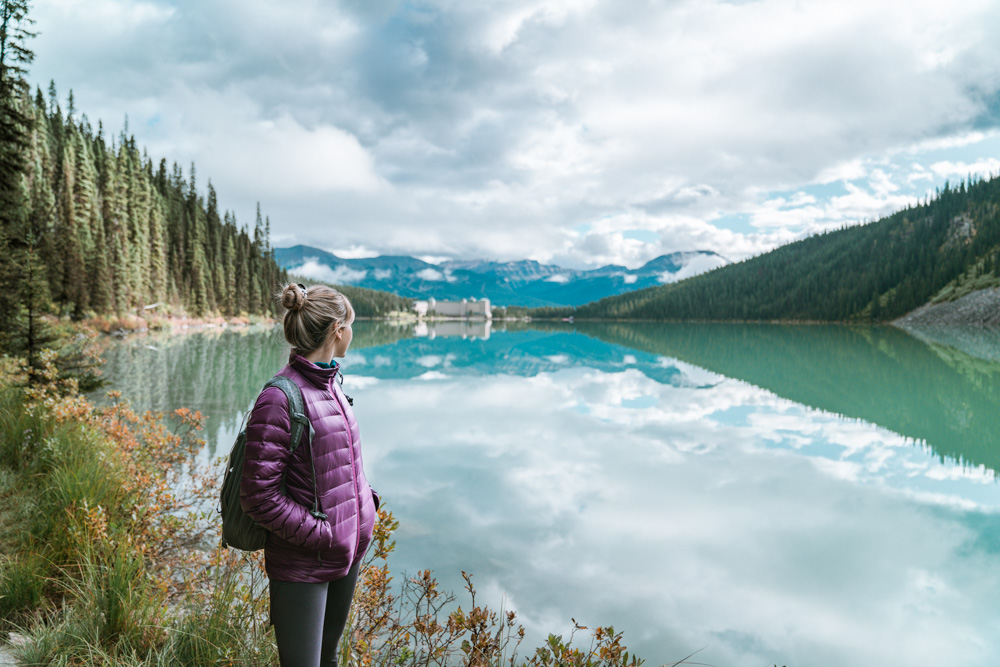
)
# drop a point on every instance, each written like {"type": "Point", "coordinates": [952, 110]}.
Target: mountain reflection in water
{"type": "Point", "coordinates": [920, 388]}
{"type": "Point", "coordinates": [928, 391]}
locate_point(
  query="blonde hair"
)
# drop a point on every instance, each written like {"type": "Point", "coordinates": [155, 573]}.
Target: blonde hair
{"type": "Point", "coordinates": [312, 314]}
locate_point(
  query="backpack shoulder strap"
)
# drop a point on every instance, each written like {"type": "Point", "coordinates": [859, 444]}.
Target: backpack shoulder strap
{"type": "Point", "coordinates": [296, 409]}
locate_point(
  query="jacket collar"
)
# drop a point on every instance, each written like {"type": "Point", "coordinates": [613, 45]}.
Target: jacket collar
{"type": "Point", "coordinates": [316, 376]}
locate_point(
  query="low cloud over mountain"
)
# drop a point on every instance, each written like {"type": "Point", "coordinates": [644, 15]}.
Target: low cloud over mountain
{"type": "Point", "coordinates": [521, 283]}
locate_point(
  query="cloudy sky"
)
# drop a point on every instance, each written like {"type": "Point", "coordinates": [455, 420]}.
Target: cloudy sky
{"type": "Point", "coordinates": [578, 132]}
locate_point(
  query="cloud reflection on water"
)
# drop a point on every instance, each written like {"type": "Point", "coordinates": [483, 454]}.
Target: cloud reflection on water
{"type": "Point", "coordinates": [611, 482]}
{"type": "Point", "coordinates": [716, 515]}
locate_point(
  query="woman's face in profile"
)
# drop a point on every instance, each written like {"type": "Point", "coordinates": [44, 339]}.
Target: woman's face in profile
{"type": "Point", "coordinates": [344, 336]}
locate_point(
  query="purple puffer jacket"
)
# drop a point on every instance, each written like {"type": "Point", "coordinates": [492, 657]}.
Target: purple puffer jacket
{"type": "Point", "coordinates": [300, 547]}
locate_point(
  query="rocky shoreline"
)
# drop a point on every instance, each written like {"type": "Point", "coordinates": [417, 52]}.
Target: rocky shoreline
{"type": "Point", "coordinates": [978, 309]}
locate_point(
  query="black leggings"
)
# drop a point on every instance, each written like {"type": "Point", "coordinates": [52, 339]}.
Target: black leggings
{"type": "Point", "coordinates": [309, 619]}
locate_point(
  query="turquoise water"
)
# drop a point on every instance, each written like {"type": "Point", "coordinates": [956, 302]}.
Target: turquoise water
{"type": "Point", "coordinates": [821, 496]}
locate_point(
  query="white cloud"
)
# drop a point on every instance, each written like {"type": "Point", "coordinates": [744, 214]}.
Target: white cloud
{"type": "Point", "coordinates": [433, 259]}
{"type": "Point", "coordinates": [339, 276]}
{"type": "Point", "coordinates": [560, 278]}
{"type": "Point", "coordinates": [272, 156]}
{"type": "Point", "coordinates": [985, 167]}
{"type": "Point", "coordinates": [354, 252]}
{"type": "Point", "coordinates": [430, 360]}
{"type": "Point", "coordinates": [498, 129]}
{"type": "Point", "coordinates": [843, 171]}
{"type": "Point", "coordinates": [430, 274]}
{"type": "Point", "coordinates": [881, 184]}
{"type": "Point", "coordinates": [360, 382]}
{"type": "Point", "coordinates": [919, 173]}
{"type": "Point", "coordinates": [114, 15]}
{"type": "Point", "coordinates": [692, 267]}
{"type": "Point", "coordinates": [432, 375]}
{"type": "Point", "coordinates": [946, 142]}
{"type": "Point", "coordinates": [879, 193]}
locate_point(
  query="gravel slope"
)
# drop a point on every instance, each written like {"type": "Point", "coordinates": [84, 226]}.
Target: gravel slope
{"type": "Point", "coordinates": [980, 308]}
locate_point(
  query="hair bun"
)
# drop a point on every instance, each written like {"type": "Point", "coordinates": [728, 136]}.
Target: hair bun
{"type": "Point", "coordinates": [293, 297]}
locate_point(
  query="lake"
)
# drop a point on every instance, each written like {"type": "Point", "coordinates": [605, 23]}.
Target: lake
{"type": "Point", "coordinates": [813, 496]}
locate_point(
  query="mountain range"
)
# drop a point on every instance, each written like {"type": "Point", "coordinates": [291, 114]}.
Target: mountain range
{"type": "Point", "coordinates": [519, 283]}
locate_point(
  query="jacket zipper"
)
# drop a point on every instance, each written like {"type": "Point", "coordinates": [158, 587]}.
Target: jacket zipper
{"type": "Point", "coordinates": [354, 472]}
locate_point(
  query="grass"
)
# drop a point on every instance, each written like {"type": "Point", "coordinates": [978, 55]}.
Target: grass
{"type": "Point", "coordinates": [23, 579]}
{"type": "Point", "coordinates": [216, 630]}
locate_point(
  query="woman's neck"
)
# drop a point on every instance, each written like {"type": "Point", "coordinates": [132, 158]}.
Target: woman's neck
{"type": "Point", "coordinates": [324, 354]}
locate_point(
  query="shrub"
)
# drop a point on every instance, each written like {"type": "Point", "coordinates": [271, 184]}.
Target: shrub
{"type": "Point", "coordinates": [226, 623]}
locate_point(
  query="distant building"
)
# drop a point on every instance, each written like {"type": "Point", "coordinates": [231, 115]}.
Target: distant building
{"type": "Point", "coordinates": [464, 309]}
{"type": "Point", "coordinates": [478, 328]}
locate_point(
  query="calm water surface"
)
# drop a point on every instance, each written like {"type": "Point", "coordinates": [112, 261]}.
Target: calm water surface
{"type": "Point", "coordinates": [809, 496]}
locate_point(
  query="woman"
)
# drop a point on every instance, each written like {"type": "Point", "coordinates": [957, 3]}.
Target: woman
{"type": "Point", "coordinates": [312, 558]}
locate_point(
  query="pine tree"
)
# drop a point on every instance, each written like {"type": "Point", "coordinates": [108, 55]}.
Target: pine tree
{"type": "Point", "coordinates": [14, 127]}
{"type": "Point", "coordinates": [242, 274]}
{"type": "Point", "coordinates": [138, 205]}
{"type": "Point", "coordinates": [157, 250]}
{"type": "Point", "coordinates": [32, 334]}
{"type": "Point", "coordinates": [115, 230]}
{"type": "Point", "coordinates": [72, 236]}
{"type": "Point", "coordinates": [231, 308]}
{"type": "Point", "coordinates": [85, 210]}
{"type": "Point", "coordinates": [216, 261]}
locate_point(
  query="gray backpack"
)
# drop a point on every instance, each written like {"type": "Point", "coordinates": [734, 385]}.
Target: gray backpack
{"type": "Point", "coordinates": [238, 529]}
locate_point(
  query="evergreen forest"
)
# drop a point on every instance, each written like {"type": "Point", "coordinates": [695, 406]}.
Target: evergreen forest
{"type": "Point", "coordinates": [92, 226]}
{"type": "Point", "coordinates": [939, 249]}
{"type": "Point", "coordinates": [101, 229]}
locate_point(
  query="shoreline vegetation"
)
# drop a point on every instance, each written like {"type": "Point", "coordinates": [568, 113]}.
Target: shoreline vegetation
{"type": "Point", "coordinates": [107, 560]}
{"type": "Point", "coordinates": [134, 324]}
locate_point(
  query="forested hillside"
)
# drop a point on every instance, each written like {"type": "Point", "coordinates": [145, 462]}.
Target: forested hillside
{"type": "Point", "coordinates": [877, 271]}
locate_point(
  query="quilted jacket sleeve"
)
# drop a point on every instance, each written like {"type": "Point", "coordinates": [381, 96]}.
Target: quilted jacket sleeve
{"type": "Point", "coordinates": [267, 455]}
